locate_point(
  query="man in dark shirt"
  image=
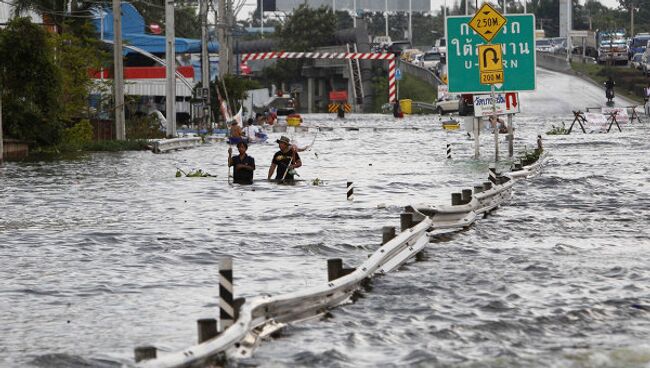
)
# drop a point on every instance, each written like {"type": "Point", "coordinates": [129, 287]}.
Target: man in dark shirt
{"type": "Point", "coordinates": [243, 165]}
{"type": "Point", "coordinates": [285, 160]}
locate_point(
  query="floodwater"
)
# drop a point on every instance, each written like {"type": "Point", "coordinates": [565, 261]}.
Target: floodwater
{"type": "Point", "coordinates": [110, 251]}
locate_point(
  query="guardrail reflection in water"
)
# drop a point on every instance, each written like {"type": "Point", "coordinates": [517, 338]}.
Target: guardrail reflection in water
{"type": "Point", "coordinates": [259, 317]}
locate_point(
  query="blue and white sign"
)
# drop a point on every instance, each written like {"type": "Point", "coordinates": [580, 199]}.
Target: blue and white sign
{"type": "Point", "coordinates": [398, 74]}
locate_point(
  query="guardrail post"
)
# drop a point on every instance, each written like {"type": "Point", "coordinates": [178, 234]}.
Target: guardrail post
{"type": "Point", "coordinates": [466, 196]}
{"type": "Point", "coordinates": [387, 234]}
{"type": "Point", "coordinates": [456, 199]}
{"type": "Point", "coordinates": [334, 268]}
{"type": "Point", "coordinates": [226, 292]}
{"type": "Point", "coordinates": [145, 353]}
{"type": "Point", "coordinates": [448, 151]}
{"type": "Point", "coordinates": [350, 191]}
{"type": "Point", "coordinates": [207, 329]}
{"type": "Point", "coordinates": [237, 303]}
{"type": "Point", "coordinates": [405, 221]}
{"type": "Point", "coordinates": [492, 175]}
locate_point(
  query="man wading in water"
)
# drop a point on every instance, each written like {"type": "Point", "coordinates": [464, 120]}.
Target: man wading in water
{"type": "Point", "coordinates": [285, 160]}
{"type": "Point", "coordinates": [243, 165]}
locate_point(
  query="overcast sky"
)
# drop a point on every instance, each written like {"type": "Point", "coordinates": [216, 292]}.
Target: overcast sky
{"type": "Point", "coordinates": [435, 4]}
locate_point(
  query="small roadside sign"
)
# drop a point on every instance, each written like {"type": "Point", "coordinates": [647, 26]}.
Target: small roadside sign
{"type": "Point", "coordinates": [398, 74]}
{"type": "Point", "coordinates": [490, 62]}
{"type": "Point", "coordinates": [503, 103]}
{"type": "Point", "coordinates": [487, 22]}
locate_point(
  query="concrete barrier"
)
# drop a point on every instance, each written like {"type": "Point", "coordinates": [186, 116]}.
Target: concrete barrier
{"type": "Point", "coordinates": [553, 62]}
{"type": "Point", "coordinates": [164, 145]}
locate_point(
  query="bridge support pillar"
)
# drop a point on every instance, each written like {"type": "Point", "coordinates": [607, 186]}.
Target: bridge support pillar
{"type": "Point", "coordinates": [310, 95]}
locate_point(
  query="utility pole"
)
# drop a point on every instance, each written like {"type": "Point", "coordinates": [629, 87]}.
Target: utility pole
{"type": "Point", "coordinates": [170, 60]}
{"type": "Point", "coordinates": [205, 58]}
{"type": "Point", "coordinates": [632, 9]}
{"type": "Point", "coordinates": [222, 26]}
{"type": "Point", "coordinates": [2, 148]}
{"type": "Point", "coordinates": [118, 73]}
{"type": "Point", "coordinates": [410, 23]}
{"type": "Point", "coordinates": [386, 14]}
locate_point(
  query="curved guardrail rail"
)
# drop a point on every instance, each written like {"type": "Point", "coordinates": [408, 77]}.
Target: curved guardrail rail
{"type": "Point", "coordinates": [164, 145]}
{"type": "Point", "coordinates": [263, 315]}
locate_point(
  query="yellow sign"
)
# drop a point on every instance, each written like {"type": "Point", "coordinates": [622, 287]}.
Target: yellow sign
{"type": "Point", "coordinates": [490, 58]}
{"type": "Point", "coordinates": [334, 107]}
{"type": "Point", "coordinates": [487, 22]}
{"type": "Point", "coordinates": [491, 77]}
{"type": "Point", "coordinates": [490, 64]}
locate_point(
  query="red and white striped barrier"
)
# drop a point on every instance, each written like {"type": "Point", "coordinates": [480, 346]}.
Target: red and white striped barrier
{"type": "Point", "coordinates": [392, 92]}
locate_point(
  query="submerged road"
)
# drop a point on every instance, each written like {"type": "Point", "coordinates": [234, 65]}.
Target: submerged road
{"type": "Point", "coordinates": [108, 251]}
{"type": "Point", "coordinates": [559, 93]}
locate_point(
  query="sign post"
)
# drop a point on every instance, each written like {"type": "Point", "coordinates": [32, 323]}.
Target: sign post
{"type": "Point", "coordinates": [487, 22]}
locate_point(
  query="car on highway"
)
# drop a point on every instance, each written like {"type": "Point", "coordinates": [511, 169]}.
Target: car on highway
{"type": "Point", "coordinates": [466, 104]}
{"type": "Point", "coordinates": [430, 59]}
{"type": "Point", "coordinates": [282, 105]}
{"type": "Point", "coordinates": [447, 103]}
{"type": "Point", "coordinates": [636, 61]}
{"type": "Point", "coordinates": [639, 44]}
{"type": "Point", "coordinates": [544, 45]}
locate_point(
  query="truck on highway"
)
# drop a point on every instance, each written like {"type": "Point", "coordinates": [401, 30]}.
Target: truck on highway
{"type": "Point", "coordinates": [612, 47]}
{"type": "Point", "coordinates": [584, 43]}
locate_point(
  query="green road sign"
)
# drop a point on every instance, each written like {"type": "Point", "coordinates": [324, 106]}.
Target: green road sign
{"type": "Point", "coordinates": [517, 39]}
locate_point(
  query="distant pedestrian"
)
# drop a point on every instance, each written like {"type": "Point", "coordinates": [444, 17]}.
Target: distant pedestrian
{"type": "Point", "coordinates": [397, 111]}
{"type": "Point", "coordinates": [646, 99]}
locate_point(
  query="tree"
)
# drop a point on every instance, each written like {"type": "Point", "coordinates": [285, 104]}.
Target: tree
{"type": "Point", "coordinates": [31, 83]}
{"type": "Point", "coordinates": [304, 30]}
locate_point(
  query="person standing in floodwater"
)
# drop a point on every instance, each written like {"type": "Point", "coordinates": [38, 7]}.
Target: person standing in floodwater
{"type": "Point", "coordinates": [285, 160]}
{"type": "Point", "coordinates": [243, 164]}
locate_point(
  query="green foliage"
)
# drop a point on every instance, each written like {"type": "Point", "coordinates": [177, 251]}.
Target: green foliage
{"type": "Point", "coordinates": [198, 173]}
{"type": "Point", "coordinates": [529, 158]}
{"type": "Point", "coordinates": [409, 88]}
{"type": "Point", "coordinates": [74, 56]}
{"type": "Point", "coordinates": [143, 127]}
{"type": "Point", "coordinates": [236, 87]}
{"type": "Point", "coordinates": [77, 137]}
{"type": "Point", "coordinates": [31, 82]}
{"type": "Point", "coordinates": [116, 146]}
{"type": "Point", "coordinates": [186, 19]}
{"type": "Point", "coordinates": [557, 130]}
{"type": "Point", "coordinates": [307, 28]}
{"type": "Point", "coordinates": [629, 82]}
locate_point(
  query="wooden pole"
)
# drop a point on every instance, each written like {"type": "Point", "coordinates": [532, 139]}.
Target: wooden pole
{"type": "Point", "coordinates": [334, 268]}
{"type": "Point", "coordinates": [145, 353]}
{"type": "Point", "coordinates": [511, 137]}
{"type": "Point", "coordinates": [387, 234]}
{"type": "Point", "coordinates": [207, 328]}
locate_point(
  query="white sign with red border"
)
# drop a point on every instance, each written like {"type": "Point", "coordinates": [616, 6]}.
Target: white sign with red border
{"type": "Point", "coordinates": [621, 113]}
{"type": "Point", "coordinates": [506, 103]}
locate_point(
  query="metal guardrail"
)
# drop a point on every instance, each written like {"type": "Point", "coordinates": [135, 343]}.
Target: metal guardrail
{"type": "Point", "coordinates": [264, 315]}
{"type": "Point", "coordinates": [164, 145]}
